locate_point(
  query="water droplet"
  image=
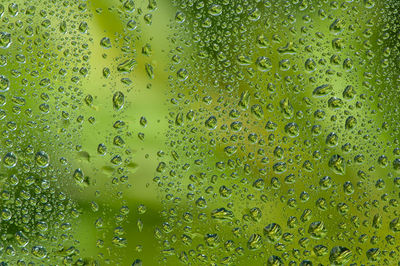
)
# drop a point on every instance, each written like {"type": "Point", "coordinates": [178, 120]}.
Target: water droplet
{"type": "Point", "coordinates": [395, 225]}
{"type": "Point", "coordinates": [105, 43]}
{"type": "Point", "coordinates": [332, 139]}
{"type": "Point", "coordinates": [263, 64]}
{"type": "Point", "coordinates": [287, 108]}
{"type": "Point", "coordinates": [78, 175]}
{"type": "Point", "coordinates": [211, 122]}
{"type": "Point", "coordinates": [310, 64]}
{"type": "Point", "coordinates": [322, 90]}
{"type": "Point", "coordinates": [337, 26]}
{"type": "Point", "coordinates": [4, 84]}
{"type": "Point", "coordinates": [317, 230]}
{"type": "Point", "coordinates": [215, 10]}
{"type": "Point", "coordinates": [21, 239]}
{"type": "Point", "coordinates": [262, 41]}
{"type": "Point", "coordinates": [118, 100]}
{"type": "Point", "coordinates": [39, 251]}
{"type": "Point", "coordinates": [292, 129]}
{"type": "Point", "coordinates": [5, 40]}
{"type": "Point", "coordinates": [274, 261]}
{"type": "Point", "coordinates": [373, 254]}
{"type": "Point", "coordinates": [83, 27]}
{"type": "Point", "coordinates": [337, 164]}
{"type": "Point", "coordinates": [182, 74]}
{"type": "Point", "coordinates": [255, 242]}
{"type": "Point", "coordinates": [63, 26]}
{"type": "Point", "coordinates": [369, 3]}
{"type": "Point", "coordinates": [351, 122]}
{"type": "Point", "coordinates": [201, 202]}
{"type": "Point", "coordinates": [140, 225]}
{"type": "Point", "coordinates": [180, 17]}
{"type": "Point", "coordinates": [129, 6]}
{"type": "Point", "coordinates": [150, 71]}
{"type": "Point", "coordinates": [42, 159]}
{"type": "Point", "coordinates": [179, 121]}
{"type": "Point", "coordinates": [126, 66]}
{"type": "Point", "coordinates": [349, 92]}
{"type": "Point", "coordinates": [273, 232]}
{"type": "Point", "coordinates": [131, 25]}
{"type": "Point", "coordinates": [119, 241]}
{"type": "Point", "coordinates": [339, 255]}
{"type": "Point", "coordinates": [10, 160]}
{"type": "Point", "coordinates": [222, 214]}
{"type": "Point", "coordinates": [6, 214]}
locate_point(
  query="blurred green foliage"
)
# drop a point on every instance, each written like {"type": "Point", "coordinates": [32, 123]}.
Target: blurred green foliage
{"type": "Point", "coordinates": [110, 198]}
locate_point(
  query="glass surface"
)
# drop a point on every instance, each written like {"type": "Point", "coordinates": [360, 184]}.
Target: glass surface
{"type": "Point", "coordinates": [199, 132]}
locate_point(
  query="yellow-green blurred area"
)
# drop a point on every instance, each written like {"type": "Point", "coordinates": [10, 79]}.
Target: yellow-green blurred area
{"type": "Point", "coordinates": [199, 132]}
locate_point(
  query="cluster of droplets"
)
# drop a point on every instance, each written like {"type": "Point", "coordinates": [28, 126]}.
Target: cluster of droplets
{"type": "Point", "coordinates": [49, 115]}
{"type": "Point", "coordinates": [280, 148]}
{"type": "Point", "coordinates": [33, 211]}
{"type": "Point", "coordinates": [38, 54]}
